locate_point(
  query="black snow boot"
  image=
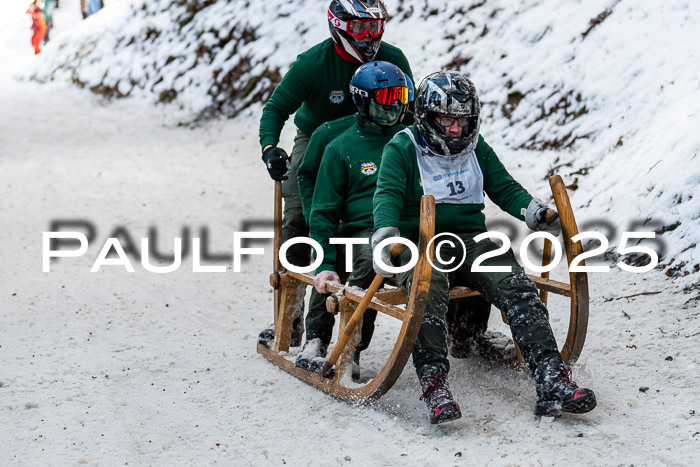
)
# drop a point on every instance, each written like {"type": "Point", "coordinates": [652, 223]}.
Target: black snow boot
{"type": "Point", "coordinates": [312, 355]}
{"type": "Point", "coordinates": [495, 346]}
{"type": "Point", "coordinates": [356, 373]}
{"type": "Point", "coordinates": [436, 394]}
{"type": "Point", "coordinates": [267, 336]}
{"type": "Point", "coordinates": [557, 393]}
{"type": "Point", "coordinates": [297, 330]}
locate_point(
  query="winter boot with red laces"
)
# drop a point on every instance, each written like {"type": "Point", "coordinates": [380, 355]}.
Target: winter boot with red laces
{"type": "Point", "coordinates": [436, 394]}
{"type": "Point", "coordinates": [557, 393]}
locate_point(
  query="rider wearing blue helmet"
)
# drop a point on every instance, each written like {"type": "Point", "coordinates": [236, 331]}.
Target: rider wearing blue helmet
{"type": "Point", "coordinates": [345, 184]}
{"type": "Point", "coordinates": [321, 137]}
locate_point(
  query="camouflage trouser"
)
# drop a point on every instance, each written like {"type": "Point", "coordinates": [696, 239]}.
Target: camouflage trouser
{"type": "Point", "coordinates": [511, 292]}
{"type": "Point", "coordinates": [319, 323]}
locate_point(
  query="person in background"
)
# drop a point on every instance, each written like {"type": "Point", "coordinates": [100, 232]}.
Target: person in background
{"type": "Point", "coordinates": [49, 6]}
{"type": "Point", "coordinates": [38, 25]}
{"type": "Point", "coordinates": [94, 6]}
{"type": "Point", "coordinates": [90, 7]}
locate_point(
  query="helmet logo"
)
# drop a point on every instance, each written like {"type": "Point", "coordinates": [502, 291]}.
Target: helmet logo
{"type": "Point", "coordinates": [355, 90]}
{"type": "Point", "coordinates": [369, 168]}
{"type": "Point", "coordinates": [335, 21]}
{"type": "Point", "coordinates": [336, 97]}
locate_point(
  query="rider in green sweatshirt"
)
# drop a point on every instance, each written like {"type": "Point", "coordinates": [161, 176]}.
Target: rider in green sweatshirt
{"type": "Point", "coordinates": [308, 170]}
{"type": "Point", "coordinates": [342, 198]}
{"type": "Point", "coordinates": [316, 88]}
{"type": "Point", "coordinates": [443, 155]}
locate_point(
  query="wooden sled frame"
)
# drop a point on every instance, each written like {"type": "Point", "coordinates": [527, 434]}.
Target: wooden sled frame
{"type": "Point", "coordinates": [344, 301]}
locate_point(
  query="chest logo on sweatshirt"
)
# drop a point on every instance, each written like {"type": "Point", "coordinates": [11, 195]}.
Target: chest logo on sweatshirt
{"type": "Point", "coordinates": [369, 168]}
{"type": "Point", "coordinates": [336, 97]}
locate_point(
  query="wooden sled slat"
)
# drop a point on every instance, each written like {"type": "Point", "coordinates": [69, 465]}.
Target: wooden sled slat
{"type": "Point", "coordinates": [356, 297]}
{"type": "Point", "coordinates": [549, 285]}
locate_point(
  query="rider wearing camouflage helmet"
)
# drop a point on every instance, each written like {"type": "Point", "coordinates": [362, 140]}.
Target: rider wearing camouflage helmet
{"type": "Point", "coordinates": [444, 155]}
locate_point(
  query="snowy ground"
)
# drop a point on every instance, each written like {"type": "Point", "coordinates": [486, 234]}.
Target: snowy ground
{"type": "Point", "coordinates": [113, 368]}
{"type": "Point", "coordinates": [142, 368]}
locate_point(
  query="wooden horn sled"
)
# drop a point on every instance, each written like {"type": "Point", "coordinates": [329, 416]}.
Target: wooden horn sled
{"type": "Point", "coordinates": [350, 303]}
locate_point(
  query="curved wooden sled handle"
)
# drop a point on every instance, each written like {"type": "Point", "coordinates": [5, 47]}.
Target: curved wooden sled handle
{"type": "Point", "coordinates": [578, 320]}
{"type": "Point", "coordinates": [347, 332]}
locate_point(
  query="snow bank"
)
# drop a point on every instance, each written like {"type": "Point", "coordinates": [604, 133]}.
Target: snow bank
{"type": "Point", "coordinates": [597, 91]}
{"type": "Point", "coordinates": [210, 58]}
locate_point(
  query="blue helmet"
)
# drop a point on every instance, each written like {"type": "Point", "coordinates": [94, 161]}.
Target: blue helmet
{"type": "Point", "coordinates": [410, 88]}
{"type": "Point", "coordinates": [381, 92]}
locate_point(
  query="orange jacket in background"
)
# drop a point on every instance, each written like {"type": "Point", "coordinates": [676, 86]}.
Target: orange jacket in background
{"type": "Point", "coordinates": [38, 26]}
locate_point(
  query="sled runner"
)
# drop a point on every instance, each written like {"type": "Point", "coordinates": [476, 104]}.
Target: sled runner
{"type": "Point", "coordinates": [350, 304]}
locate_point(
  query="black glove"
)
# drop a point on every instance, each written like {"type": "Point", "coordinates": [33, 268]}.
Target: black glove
{"type": "Point", "coordinates": [275, 160]}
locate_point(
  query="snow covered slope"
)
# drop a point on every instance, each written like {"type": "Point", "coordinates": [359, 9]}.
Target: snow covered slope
{"type": "Point", "coordinates": [598, 91]}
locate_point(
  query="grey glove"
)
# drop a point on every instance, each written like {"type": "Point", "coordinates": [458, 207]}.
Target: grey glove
{"type": "Point", "coordinates": [378, 236]}
{"type": "Point", "coordinates": [536, 218]}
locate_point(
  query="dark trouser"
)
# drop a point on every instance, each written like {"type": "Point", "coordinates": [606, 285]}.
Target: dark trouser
{"type": "Point", "coordinates": [319, 323]}
{"type": "Point", "coordinates": [511, 292]}
{"type": "Point", "coordinates": [293, 223]}
{"type": "Point", "coordinates": [467, 318]}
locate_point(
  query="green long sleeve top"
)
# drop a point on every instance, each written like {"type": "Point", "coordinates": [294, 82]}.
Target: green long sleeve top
{"type": "Point", "coordinates": [399, 190]}
{"type": "Point", "coordinates": [308, 170]}
{"type": "Point", "coordinates": [316, 87]}
{"type": "Point", "coordinates": [346, 181]}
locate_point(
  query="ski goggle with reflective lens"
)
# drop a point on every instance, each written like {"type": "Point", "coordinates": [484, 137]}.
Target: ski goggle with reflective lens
{"type": "Point", "coordinates": [449, 121]}
{"type": "Point", "coordinates": [358, 28]}
{"type": "Point", "coordinates": [387, 96]}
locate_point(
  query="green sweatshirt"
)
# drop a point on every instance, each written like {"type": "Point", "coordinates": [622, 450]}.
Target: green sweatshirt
{"type": "Point", "coordinates": [399, 189]}
{"type": "Point", "coordinates": [345, 185]}
{"type": "Point", "coordinates": [316, 87]}
{"type": "Point", "coordinates": [307, 171]}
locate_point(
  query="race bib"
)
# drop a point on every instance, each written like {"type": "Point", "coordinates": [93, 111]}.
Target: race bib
{"type": "Point", "coordinates": [456, 180]}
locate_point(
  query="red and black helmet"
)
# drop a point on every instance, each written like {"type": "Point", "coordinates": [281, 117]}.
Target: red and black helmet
{"type": "Point", "coordinates": [356, 27]}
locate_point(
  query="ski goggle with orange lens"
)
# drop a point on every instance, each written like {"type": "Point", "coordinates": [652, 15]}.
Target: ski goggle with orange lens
{"type": "Point", "coordinates": [358, 28]}
{"type": "Point", "coordinates": [387, 96]}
